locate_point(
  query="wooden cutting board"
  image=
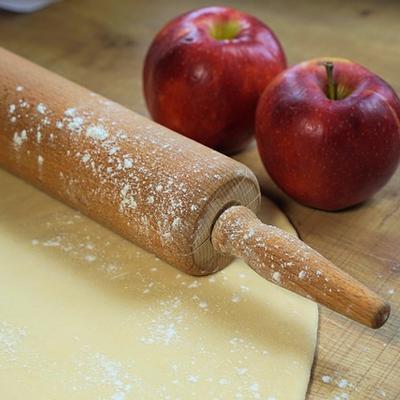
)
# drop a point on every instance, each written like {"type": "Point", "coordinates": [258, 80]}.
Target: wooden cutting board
{"type": "Point", "coordinates": [101, 44]}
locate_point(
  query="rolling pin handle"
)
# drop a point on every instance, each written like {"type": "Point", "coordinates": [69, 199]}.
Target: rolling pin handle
{"type": "Point", "coordinates": [287, 261]}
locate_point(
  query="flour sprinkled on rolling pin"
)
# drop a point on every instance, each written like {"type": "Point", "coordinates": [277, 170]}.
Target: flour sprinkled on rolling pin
{"type": "Point", "coordinates": [190, 205]}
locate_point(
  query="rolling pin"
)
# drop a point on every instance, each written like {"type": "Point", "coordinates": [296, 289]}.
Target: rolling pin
{"type": "Point", "coordinates": [191, 206]}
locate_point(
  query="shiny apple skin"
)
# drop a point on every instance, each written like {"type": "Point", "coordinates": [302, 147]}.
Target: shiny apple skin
{"type": "Point", "coordinates": [329, 154]}
{"type": "Point", "coordinates": [208, 89]}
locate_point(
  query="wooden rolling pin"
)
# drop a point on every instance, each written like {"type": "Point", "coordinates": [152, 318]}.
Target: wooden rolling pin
{"type": "Point", "coordinates": [190, 205]}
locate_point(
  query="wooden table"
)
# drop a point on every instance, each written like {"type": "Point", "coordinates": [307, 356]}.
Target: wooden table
{"type": "Point", "coordinates": [101, 44]}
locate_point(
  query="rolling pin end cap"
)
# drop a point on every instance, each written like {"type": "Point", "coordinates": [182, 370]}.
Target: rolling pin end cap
{"type": "Point", "coordinates": [381, 316]}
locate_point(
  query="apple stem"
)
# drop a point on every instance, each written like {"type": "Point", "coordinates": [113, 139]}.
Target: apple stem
{"type": "Point", "coordinates": [331, 82]}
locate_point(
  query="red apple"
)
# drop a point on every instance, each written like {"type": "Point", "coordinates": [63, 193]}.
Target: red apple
{"type": "Point", "coordinates": [204, 73]}
{"type": "Point", "coordinates": [329, 153]}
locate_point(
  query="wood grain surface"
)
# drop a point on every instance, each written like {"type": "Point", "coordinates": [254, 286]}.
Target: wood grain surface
{"type": "Point", "coordinates": [101, 44]}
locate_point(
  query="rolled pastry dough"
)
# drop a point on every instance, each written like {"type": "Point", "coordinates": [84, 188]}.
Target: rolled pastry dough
{"type": "Point", "coordinates": [85, 314]}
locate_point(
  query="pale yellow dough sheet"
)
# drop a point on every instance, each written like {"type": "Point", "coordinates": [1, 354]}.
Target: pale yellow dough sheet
{"type": "Point", "coordinates": [87, 315]}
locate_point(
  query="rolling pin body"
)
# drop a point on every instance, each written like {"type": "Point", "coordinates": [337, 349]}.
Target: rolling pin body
{"type": "Point", "coordinates": [142, 180]}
